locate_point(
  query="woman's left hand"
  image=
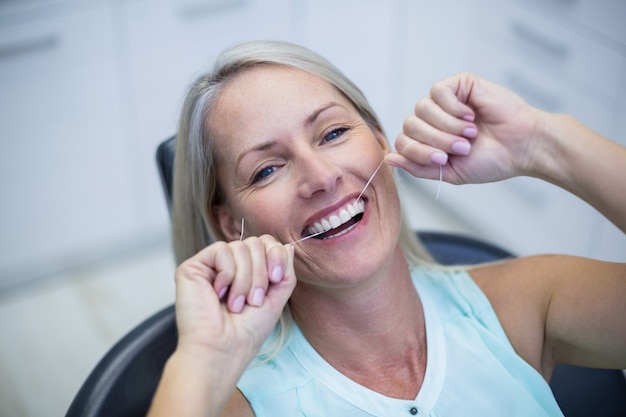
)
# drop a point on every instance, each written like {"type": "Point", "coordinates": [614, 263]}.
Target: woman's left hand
{"type": "Point", "coordinates": [475, 130]}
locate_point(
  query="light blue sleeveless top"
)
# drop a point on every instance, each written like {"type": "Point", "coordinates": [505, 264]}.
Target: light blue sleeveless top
{"type": "Point", "coordinates": [472, 369]}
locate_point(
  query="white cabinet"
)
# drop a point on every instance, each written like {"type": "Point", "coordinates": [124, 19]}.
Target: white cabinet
{"type": "Point", "coordinates": [64, 164]}
{"type": "Point", "coordinates": [364, 39]}
{"type": "Point", "coordinates": [557, 55]}
{"type": "Point", "coordinates": [89, 89]}
{"type": "Point", "coordinates": [169, 43]}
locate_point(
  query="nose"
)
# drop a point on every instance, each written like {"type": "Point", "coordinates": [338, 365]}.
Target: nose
{"type": "Point", "coordinates": [317, 173]}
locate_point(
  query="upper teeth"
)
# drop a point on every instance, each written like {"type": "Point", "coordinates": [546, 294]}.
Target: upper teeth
{"type": "Point", "coordinates": [335, 220]}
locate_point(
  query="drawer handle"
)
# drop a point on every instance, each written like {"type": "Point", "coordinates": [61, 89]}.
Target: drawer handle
{"type": "Point", "coordinates": [566, 3]}
{"type": "Point", "coordinates": [205, 7]}
{"type": "Point", "coordinates": [28, 46]}
{"type": "Point", "coordinates": [538, 40]}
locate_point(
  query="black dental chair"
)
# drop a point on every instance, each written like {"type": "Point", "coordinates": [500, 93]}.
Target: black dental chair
{"type": "Point", "coordinates": [124, 381]}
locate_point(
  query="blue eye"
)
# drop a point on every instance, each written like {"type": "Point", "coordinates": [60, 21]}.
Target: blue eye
{"type": "Point", "coordinates": [263, 173]}
{"type": "Point", "coordinates": [334, 134]}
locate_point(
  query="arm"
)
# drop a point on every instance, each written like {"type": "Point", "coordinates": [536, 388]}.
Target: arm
{"type": "Point", "coordinates": [219, 334]}
{"type": "Point", "coordinates": [560, 309]}
{"type": "Point", "coordinates": [585, 163]}
{"type": "Point", "coordinates": [481, 132]}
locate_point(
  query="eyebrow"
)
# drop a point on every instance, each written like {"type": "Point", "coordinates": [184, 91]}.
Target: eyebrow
{"type": "Point", "coordinates": [313, 117]}
{"type": "Point", "coordinates": [271, 143]}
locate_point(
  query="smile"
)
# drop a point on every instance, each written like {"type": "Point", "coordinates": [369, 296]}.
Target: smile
{"type": "Point", "coordinates": [339, 222]}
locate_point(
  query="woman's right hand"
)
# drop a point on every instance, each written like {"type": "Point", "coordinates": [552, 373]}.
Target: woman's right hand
{"type": "Point", "coordinates": [229, 296]}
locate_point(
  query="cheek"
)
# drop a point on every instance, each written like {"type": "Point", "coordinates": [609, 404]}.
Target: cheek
{"type": "Point", "coordinates": [369, 157]}
{"type": "Point", "coordinates": [267, 213]}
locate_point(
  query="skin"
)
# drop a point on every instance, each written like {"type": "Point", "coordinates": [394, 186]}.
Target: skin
{"type": "Point", "coordinates": [553, 308]}
{"type": "Point", "coordinates": [321, 176]}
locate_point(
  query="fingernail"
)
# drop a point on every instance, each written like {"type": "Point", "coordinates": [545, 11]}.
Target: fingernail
{"type": "Point", "coordinates": [468, 117]}
{"type": "Point", "coordinates": [237, 305]}
{"type": "Point", "coordinates": [277, 274]}
{"type": "Point", "coordinates": [392, 164]}
{"type": "Point", "coordinates": [257, 297]}
{"type": "Point", "coordinates": [470, 132]}
{"type": "Point", "coordinates": [461, 148]}
{"type": "Point", "coordinates": [439, 158]}
{"type": "Point", "coordinates": [222, 292]}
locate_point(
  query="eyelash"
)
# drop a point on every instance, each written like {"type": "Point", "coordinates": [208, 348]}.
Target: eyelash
{"type": "Point", "coordinates": [262, 173]}
{"type": "Point", "coordinates": [339, 131]}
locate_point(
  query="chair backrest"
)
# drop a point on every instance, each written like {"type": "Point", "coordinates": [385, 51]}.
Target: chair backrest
{"type": "Point", "coordinates": [448, 249]}
{"type": "Point", "coordinates": [165, 163]}
{"type": "Point", "coordinates": [124, 381]}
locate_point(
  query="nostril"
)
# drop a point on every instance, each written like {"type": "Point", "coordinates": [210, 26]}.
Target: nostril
{"type": "Point", "coordinates": [318, 176]}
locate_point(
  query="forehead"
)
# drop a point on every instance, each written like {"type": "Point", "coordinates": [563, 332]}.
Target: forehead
{"type": "Point", "coordinates": [265, 99]}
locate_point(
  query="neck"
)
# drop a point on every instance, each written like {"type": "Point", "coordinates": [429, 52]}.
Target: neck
{"type": "Point", "coordinates": [370, 330]}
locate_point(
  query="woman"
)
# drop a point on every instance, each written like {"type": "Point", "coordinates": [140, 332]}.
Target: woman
{"type": "Point", "coordinates": [276, 143]}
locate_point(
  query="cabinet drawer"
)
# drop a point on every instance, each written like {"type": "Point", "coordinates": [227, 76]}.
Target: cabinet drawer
{"type": "Point", "coordinates": [584, 62]}
{"type": "Point", "coordinates": [66, 192]}
{"type": "Point", "coordinates": [543, 90]}
{"type": "Point", "coordinates": [600, 18]}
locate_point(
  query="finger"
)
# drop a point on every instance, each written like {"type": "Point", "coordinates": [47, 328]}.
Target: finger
{"type": "Point", "coordinates": [440, 131]}
{"type": "Point", "coordinates": [437, 117]}
{"type": "Point", "coordinates": [276, 256]}
{"type": "Point", "coordinates": [417, 170]}
{"type": "Point", "coordinates": [213, 263]}
{"type": "Point", "coordinates": [220, 256]}
{"type": "Point", "coordinates": [263, 319]}
{"type": "Point", "coordinates": [278, 294]}
{"type": "Point", "coordinates": [260, 278]}
{"type": "Point", "coordinates": [418, 152]}
{"type": "Point", "coordinates": [242, 280]}
{"type": "Point", "coordinates": [452, 95]}
{"type": "Point", "coordinates": [194, 278]}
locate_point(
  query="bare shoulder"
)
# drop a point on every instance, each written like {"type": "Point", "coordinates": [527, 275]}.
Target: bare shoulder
{"type": "Point", "coordinates": [519, 293]}
{"type": "Point", "coordinates": [237, 406]}
{"type": "Point", "coordinates": [536, 299]}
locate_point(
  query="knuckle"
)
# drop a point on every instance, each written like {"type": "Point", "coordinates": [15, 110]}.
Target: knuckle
{"type": "Point", "coordinates": [268, 240]}
{"type": "Point", "coordinates": [237, 247]}
{"type": "Point", "coordinates": [408, 123]}
{"type": "Point", "coordinates": [254, 243]}
{"type": "Point", "coordinates": [422, 108]}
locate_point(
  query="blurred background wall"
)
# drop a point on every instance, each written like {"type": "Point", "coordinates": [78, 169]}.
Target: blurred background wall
{"type": "Point", "coordinates": [88, 89]}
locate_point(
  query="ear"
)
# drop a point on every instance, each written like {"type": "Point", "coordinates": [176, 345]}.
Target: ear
{"type": "Point", "coordinates": [229, 225]}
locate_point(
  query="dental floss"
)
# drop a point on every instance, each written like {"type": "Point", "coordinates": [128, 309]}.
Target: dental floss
{"type": "Point", "coordinates": [304, 238]}
{"type": "Point", "coordinates": [357, 199]}
{"type": "Point", "coordinates": [440, 181]}
{"type": "Point", "coordinates": [370, 180]}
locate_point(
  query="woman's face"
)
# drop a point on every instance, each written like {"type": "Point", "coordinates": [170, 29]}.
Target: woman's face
{"type": "Point", "coordinates": [293, 154]}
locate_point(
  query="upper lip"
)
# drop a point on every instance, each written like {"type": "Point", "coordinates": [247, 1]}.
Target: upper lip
{"type": "Point", "coordinates": [334, 209]}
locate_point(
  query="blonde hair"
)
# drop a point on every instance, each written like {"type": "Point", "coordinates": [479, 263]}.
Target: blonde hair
{"type": "Point", "coordinates": [195, 188]}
